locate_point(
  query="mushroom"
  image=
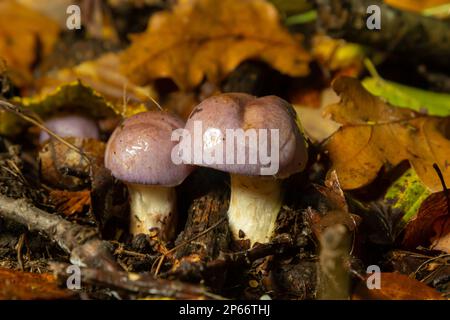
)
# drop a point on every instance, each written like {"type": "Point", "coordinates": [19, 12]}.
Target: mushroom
{"type": "Point", "coordinates": [71, 126]}
{"type": "Point", "coordinates": [139, 154]}
{"type": "Point", "coordinates": [256, 192]}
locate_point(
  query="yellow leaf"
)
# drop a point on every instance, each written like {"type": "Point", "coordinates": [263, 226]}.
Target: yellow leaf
{"type": "Point", "coordinates": [209, 38]}
{"type": "Point", "coordinates": [25, 36]}
{"type": "Point", "coordinates": [103, 75]}
{"type": "Point", "coordinates": [376, 134]}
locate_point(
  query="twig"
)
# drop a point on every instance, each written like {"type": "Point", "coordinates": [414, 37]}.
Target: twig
{"type": "Point", "coordinates": [161, 258]}
{"type": "Point", "coordinates": [245, 258]}
{"type": "Point", "coordinates": [37, 122]}
{"type": "Point", "coordinates": [81, 242]}
{"type": "Point", "coordinates": [333, 275]}
{"type": "Point", "coordinates": [143, 283]}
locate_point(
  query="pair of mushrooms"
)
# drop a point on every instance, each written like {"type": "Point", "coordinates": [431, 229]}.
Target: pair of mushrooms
{"type": "Point", "coordinates": [140, 153]}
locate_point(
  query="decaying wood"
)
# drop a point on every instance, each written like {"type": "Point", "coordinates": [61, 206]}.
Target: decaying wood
{"type": "Point", "coordinates": [83, 243]}
{"type": "Point", "coordinates": [245, 258]}
{"type": "Point", "coordinates": [333, 275]}
{"type": "Point", "coordinates": [401, 32]}
{"type": "Point", "coordinates": [204, 213]}
{"type": "Point", "coordinates": [205, 236]}
{"type": "Point", "coordinates": [142, 284]}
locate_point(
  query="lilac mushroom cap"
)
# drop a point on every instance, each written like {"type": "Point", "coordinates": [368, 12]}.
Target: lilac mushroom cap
{"type": "Point", "coordinates": [139, 150]}
{"type": "Point", "coordinates": [71, 126]}
{"type": "Point", "coordinates": [139, 153]}
{"type": "Point", "coordinates": [243, 111]}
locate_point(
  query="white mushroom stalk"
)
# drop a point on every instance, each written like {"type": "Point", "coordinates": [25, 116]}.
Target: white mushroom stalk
{"type": "Point", "coordinates": [152, 207]}
{"type": "Point", "coordinates": [254, 206]}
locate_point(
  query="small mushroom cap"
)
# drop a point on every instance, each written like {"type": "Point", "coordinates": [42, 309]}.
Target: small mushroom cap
{"type": "Point", "coordinates": [71, 126]}
{"type": "Point", "coordinates": [243, 111]}
{"type": "Point", "coordinates": [139, 150]}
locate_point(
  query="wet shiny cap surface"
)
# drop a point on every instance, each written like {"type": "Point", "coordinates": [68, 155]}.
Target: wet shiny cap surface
{"type": "Point", "coordinates": [238, 111]}
{"type": "Point", "coordinates": [139, 150]}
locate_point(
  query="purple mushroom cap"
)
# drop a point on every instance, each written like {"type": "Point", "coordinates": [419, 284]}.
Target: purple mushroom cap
{"type": "Point", "coordinates": [139, 150]}
{"type": "Point", "coordinates": [243, 111]}
{"type": "Point", "coordinates": [71, 126]}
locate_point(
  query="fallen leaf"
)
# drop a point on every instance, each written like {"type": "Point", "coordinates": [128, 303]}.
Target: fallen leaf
{"type": "Point", "coordinates": [430, 225]}
{"type": "Point", "coordinates": [74, 96]}
{"type": "Point", "coordinates": [375, 134]}
{"type": "Point", "coordinates": [415, 5]}
{"type": "Point", "coordinates": [396, 286]}
{"type": "Point", "coordinates": [199, 38]}
{"type": "Point", "coordinates": [55, 157]}
{"type": "Point", "coordinates": [316, 126]}
{"type": "Point", "coordinates": [337, 54]}
{"type": "Point", "coordinates": [422, 101]}
{"type": "Point", "coordinates": [103, 76]}
{"type": "Point", "coordinates": [25, 36]}
{"type": "Point", "coordinates": [70, 202]}
{"type": "Point", "coordinates": [407, 194]}
{"type": "Point", "coordinates": [337, 208]}
{"type": "Point", "coordinates": [17, 285]}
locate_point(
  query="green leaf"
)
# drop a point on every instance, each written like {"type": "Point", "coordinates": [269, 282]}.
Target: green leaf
{"type": "Point", "coordinates": [407, 194]}
{"type": "Point", "coordinates": [427, 102]}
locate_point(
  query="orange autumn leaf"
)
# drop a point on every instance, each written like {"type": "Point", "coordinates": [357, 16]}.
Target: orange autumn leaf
{"type": "Point", "coordinates": [396, 286]}
{"type": "Point", "coordinates": [209, 38]}
{"type": "Point", "coordinates": [70, 202]}
{"type": "Point", "coordinates": [375, 134]}
{"type": "Point", "coordinates": [16, 285]}
{"type": "Point", "coordinates": [25, 37]}
{"type": "Point", "coordinates": [415, 5]}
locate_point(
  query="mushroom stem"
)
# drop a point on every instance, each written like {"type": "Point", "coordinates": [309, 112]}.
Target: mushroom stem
{"type": "Point", "coordinates": [152, 207]}
{"type": "Point", "coordinates": [254, 207]}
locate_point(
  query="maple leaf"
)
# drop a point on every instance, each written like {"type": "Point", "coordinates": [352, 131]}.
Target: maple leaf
{"type": "Point", "coordinates": [25, 35]}
{"type": "Point", "coordinates": [210, 38]}
{"type": "Point", "coordinates": [376, 134]}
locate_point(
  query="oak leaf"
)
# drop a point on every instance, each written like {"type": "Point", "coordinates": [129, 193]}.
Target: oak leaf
{"type": "Point", "coordinates": [375, 134]}
{"type": "Point", "coordinates": [210, 38]}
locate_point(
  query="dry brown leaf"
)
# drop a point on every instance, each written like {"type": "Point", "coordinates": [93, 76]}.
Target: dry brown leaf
{"type": "Point", "coordinates": [55, 157]}
{"type": "Point", "coordinates": [210, 38]}
{"type": "Point", "coordinates": [25, 36]}
{"type": "Point", "coordinates": [16, 285]}
{"type": "Point", "coordinates": [376, 134]}
{"type": "Point", "coordinates": [396, 286]}
{"type": "Point", "coordinates": [431, 225]}
{"type": "Point", "coordinates": [70, 202]}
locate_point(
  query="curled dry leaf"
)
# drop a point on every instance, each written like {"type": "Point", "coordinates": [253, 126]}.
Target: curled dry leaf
{"type": "Point", "coordinates": [25, 36]}
{"type": "Point", "coordinates": [396, 286]}
{"type": "Point", "coordinates": [17, 285]}
{"type": "Point", "coordinates": [70, 202]}
{"type": "Point", "coordinates": [56, 158]}
{"type": "Point", "coordinates": [199, 38]}
{"type": "Point", "coordinates": [431, 225]}
{"type": "Point", "coordinates": [375, 134]}
{"type": "Point", "coordinates": [103, 76]}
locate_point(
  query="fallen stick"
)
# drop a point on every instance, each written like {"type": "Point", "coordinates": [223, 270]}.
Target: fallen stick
{"type": "Point", "coordinates": [401, 31]}
{"type": "Point", "coordinates": [143, 283]}
{"type": "Point", "coordinates": [333, 274]}
{"type": "Point", "coordinates": [82, 243]}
